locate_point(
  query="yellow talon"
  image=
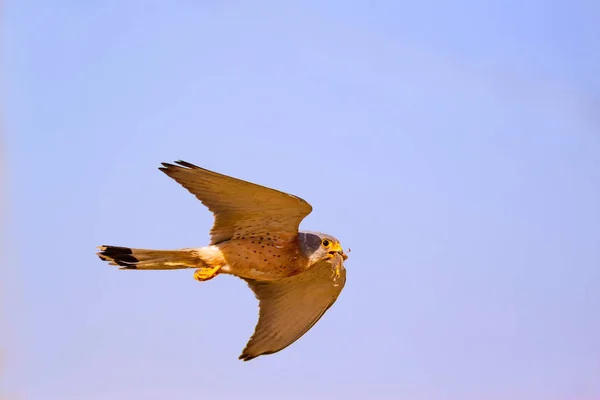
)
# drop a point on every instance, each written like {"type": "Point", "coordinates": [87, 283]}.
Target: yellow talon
{"type": "Point", "coordinates": [206, 273]}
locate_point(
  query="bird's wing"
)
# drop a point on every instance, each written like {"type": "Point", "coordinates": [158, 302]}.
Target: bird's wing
{"type": "Point", "coordinates": [291, 306]}
{"type": "Point", "coordinates": [241, 209]}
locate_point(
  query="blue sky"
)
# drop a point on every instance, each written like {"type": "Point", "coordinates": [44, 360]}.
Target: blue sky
{"type": "Point", "coordinates": [455, 148]}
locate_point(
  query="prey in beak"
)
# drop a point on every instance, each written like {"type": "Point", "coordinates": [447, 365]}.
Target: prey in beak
{"type": "Point", "coordinates": [336, 248]}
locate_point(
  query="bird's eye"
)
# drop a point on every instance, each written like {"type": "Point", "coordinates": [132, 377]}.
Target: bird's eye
{"type": "Point", "coordinates": [326, 242]}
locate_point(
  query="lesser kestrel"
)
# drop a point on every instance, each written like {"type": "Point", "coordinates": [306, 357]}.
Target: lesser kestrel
{"type": "Point", "coordinates": [295, 275]}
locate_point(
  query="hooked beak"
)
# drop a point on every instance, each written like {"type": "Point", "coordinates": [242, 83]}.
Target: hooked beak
{"type": "Point", "coordinates": [337, 249]}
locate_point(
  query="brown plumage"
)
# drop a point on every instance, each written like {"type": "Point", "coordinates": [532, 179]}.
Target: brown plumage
{"type": "Point", "coordinates": [296, 276]}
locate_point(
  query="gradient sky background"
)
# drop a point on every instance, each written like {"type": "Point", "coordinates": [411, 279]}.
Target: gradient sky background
{"type": "Point", "coordinates": [453, 146]}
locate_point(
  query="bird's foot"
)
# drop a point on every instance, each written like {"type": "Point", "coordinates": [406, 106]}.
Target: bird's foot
{"type": "Point", "coordinates": [206, 273]}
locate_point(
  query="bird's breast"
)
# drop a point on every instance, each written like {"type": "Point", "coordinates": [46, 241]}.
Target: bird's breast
{"type": "Point", "coordinates": [262, 259]}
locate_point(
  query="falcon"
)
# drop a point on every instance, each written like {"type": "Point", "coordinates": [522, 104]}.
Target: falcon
{"type": "Point", "coordinates": [295, 275]}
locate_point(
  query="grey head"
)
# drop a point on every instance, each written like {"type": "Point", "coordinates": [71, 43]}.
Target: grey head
{"type": "Point", "coordinates": [319, 246]}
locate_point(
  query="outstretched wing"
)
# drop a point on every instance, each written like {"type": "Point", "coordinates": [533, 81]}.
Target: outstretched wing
{"type": "Point", "coordinates": [291, 306]}
{"type": "Point", "coordinates": [241, 209]}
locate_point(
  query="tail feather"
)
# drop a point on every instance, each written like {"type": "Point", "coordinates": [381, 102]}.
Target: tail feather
{"type": "Point", "coordinates": [128, 258]}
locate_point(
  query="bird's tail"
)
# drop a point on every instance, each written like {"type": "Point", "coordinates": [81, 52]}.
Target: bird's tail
{"type": "Point", "coordinates": [128, 258]}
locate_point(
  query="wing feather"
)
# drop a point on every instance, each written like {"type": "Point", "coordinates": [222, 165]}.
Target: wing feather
{"type": "Point", "coordinates": [291, 306]}
{"type": "Point", "coordinates": [241, 208]}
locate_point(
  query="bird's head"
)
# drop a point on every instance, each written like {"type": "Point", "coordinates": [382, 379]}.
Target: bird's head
{"type": "Point", "coordinates": [320, 246]}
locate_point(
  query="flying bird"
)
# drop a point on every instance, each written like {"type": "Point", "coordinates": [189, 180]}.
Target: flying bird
{"type": "Point", "coordinates": [295, 275]}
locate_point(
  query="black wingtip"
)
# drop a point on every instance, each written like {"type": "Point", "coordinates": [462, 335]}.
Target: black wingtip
{"type": "Point", "coordinates": [179, 163]}
{"type": "Point", "coordinates": [246, 357]}
{"type": "Point", "coordinates": [186, 164]}
{"type": "Point", "coordinates": [165, 166]}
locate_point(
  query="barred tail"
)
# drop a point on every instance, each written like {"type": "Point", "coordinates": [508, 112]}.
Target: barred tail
{"type": "Point", "coordinates": [128, 258]}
